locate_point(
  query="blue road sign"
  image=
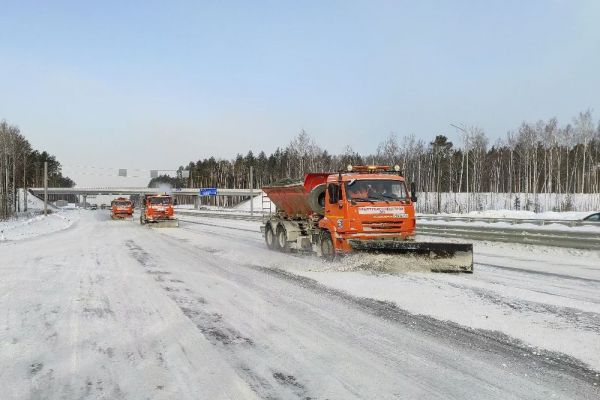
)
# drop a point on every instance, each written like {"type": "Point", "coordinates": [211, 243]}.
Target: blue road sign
{"type": "Point", "coordinates": [208, 192]}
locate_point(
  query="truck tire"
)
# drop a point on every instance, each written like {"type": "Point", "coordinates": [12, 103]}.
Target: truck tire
{"type": "Point", "coordinates": [282, 243]}
{"type": "Point", "coordinates": [270, 238]}
{"type": "Point", "coordinates": [327, 249]}
{"type": "Point", "coordinates": [316, 199]}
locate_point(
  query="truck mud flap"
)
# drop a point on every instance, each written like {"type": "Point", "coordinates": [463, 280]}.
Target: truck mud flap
{"type": "Point", "coordinates": [440, 256]}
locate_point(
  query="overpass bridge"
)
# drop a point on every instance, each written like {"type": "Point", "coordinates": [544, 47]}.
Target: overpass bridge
{"type": "Point", "coordinates": [127, 191]}
{"type": "Point", "coordinates": [183, 195]}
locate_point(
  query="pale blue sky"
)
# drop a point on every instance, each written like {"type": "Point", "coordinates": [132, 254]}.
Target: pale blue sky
{"type": "Point", "coordinates": [153, 84]}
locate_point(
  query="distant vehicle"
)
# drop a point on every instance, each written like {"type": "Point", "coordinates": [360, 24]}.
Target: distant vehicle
{"type": "Point", "coordinates": [102, 206]}
{"type": "Point", "coordinates": [595, 217]}
{"type": "Point", "coordinates": [94, 207]}
{"type": "Point", "coordinates": [121, 208]}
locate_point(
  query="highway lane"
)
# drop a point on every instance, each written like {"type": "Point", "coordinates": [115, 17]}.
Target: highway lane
{"type": "Point", "coordinates": [111, 309]}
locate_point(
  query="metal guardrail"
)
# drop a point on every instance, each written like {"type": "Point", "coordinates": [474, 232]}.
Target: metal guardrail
{"type": "Point", "coordinates": [224, 215]}
{"type": "Point", "coordinates": [545, 237]}
{"type": "Point", "coordinates": [512, 221]}
{"type": "Point", "coordinates": [516, 234]}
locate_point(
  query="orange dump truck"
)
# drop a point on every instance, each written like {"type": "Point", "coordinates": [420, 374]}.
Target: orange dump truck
{"type": "Point", "coordinates": [157, 209]}
{"type": "Point", "coordinates": [363, 209]}
{"type": "Point", "coordinates": [121, 208]}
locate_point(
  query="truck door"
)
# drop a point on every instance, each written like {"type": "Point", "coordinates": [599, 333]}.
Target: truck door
{"type": "Point", "coordinates": [333, 211]}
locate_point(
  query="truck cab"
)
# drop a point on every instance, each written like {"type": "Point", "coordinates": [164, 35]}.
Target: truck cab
{"type": "Point", "coordinates": [367, 203]}
{"type": "Point", "coordinates": [121, 208]}
{"type": "Point", "coordinates": [158, 209]}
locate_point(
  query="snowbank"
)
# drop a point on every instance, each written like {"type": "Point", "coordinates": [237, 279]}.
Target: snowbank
{"type": "Point", "coordinates": [259, 202]}
{"type": "Point", "coordinates": [33, 203]}
{"type": "Point", "coordinates": [541, 202]}
{"type": "Point", "coordinates": [521, 214]}
{"type": "Point", "coordinates": [25, 228]}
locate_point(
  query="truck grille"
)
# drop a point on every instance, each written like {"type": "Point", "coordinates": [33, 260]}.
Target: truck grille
{"type": "Point", "coordinates": [382, 226]}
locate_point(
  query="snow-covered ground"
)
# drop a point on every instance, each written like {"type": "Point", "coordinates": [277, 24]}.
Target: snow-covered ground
{"type": "Point", "coordinates": [25, 228]}
{"type": "Point", "coordinates": [546, 297]}
{"type": "Point", "coordinates": [112, 309]}
{"type": "Point", "coordinates": [259, 203]}
{"type": "Point", "coordinates": [32, 223]}
{"type": "Point", "coordinates": [542, 202]}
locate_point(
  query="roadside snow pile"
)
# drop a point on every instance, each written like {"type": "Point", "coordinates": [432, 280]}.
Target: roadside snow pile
{"type": "Point", "coordinates": [460, 202]}
{"type": "Point", "coordinates": [33, 203]}
{"type": "Point", "coordinates": [516, 214]}
{"type": "Point", "coordinates": [19, 229]}
{"type": "Point", "coordinates": [257, 203]}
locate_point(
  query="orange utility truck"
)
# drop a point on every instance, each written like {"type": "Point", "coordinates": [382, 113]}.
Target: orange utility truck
{"type": "Point", "coordinates": [121, 208]}
{"type": "Point", "coordinates": [362, 209]}
{"type": "Point", "coordinates": [157, 209]}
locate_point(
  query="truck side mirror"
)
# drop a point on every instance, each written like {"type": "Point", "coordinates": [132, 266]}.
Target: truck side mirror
{"type": "Point", "coordinates": [413, 192]}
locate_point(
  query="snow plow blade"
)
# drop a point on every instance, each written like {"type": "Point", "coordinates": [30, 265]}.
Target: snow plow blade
{"type": "Point", "coordinates": [164, 223]}
{"type": "Point", "coordinates": [440, 257]}
{"type": "Point", "coordinates": [121, 218]}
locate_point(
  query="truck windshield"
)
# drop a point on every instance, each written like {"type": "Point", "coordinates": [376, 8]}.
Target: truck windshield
{"type": "Point", "coordinates": [155, 201]}
{"type": "Point", "coordinates": [375, 189]}
{"type": "Point", "coordinates": [121, 203]}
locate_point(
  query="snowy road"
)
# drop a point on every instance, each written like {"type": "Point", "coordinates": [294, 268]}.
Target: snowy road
{"type": "Point", "coordinates": [111, 309]}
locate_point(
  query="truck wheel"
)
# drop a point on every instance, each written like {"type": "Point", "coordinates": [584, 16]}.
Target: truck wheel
{"type": "Point", "coordinates": [316, 199]}
{"type": "Point", "coordinates": [327, 249]}
{"type": "Point", "coordinates": [270, 237]}
{"type": "Point", "coordinates": [282, 243]}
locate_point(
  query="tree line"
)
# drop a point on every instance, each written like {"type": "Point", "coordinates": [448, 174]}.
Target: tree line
{"type": "Point", "coordinates": [539, 157]}
{"type": "Point", "coordinates": [21, 166]}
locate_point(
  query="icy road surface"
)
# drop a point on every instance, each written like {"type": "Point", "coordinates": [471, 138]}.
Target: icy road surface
{"type": "Point", "coordinates": [113, 310]}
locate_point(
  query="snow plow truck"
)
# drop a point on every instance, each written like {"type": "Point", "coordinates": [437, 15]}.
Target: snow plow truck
{"type": "Point", "coordinates": [121, 208]}
{"type": "Point", "coordinates": [157, 209]}
{"type": "Point", "coordinates": [363, 209]}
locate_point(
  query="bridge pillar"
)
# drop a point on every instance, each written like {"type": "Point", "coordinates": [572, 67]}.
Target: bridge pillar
{"type": "Point", "coordinates": [84, 202]}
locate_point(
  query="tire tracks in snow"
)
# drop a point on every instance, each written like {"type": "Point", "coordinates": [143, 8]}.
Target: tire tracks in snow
{"type": "Point", "coordinates": [218, 332]}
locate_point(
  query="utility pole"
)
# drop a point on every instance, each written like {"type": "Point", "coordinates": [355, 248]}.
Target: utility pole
{"type": "Point", "coordinates": [25, 182]}
{"type": "Point", "coordinates": [45, 187]}
{"type": "Point", "coordinates": [251, 193]}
